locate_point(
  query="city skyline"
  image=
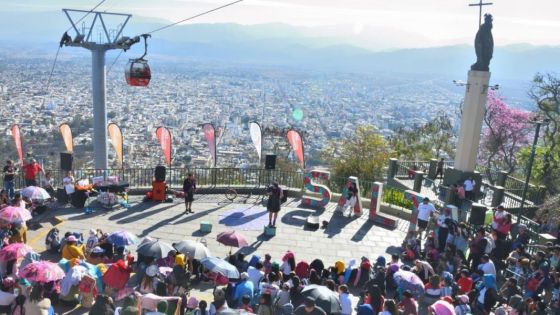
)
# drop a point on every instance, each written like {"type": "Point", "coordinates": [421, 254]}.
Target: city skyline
{"type": "Point", "coordinates": [412, 24]}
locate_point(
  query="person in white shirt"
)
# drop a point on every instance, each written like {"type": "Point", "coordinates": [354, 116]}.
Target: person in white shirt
{"type": "Point", "coordinates": [348, 207]}
{"type": "Point", "coordinates": [256, 274]}
{"type": "Point", "coordinates": [443, 230]}
{"type": "Point", "coordinates": [425, 211]}
{"type": "Point", "coordinates": [345, 302]}
{"type": "Point", "coordinates": [68, 182]}
{"type": "Point", "coordinates": [487, 266]}
{"type": "Point", "coordinates": [469, 188]}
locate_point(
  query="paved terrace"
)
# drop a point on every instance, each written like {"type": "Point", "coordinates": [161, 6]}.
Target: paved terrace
{"type": "Point", "coordinates": [344, 238]}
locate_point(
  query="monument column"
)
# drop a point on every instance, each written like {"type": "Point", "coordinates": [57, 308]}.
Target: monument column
{"type": "Point", "coordinates": [474, 108]}
{"type": "Point", "coordinates": [471, 120]}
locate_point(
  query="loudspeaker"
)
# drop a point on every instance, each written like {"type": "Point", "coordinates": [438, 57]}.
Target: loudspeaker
{"type": "Point", "coordinates": [270, 162]}
{"type": "Point", "coordinates": [66, 161]}
{"type": "Point", "coordinates": [159, 173]}
{"type": "Point", "coordinates": [478, 213]}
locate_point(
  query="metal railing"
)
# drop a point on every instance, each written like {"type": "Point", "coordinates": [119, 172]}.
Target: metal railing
{"type": "Point", "coordinates": [206, 177]}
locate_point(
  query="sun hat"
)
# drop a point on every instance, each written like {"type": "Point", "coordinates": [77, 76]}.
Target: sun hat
{"type": "Point", "coordinates": [192, 303]}
{"type": "Point", "coordinates": [71, 238]}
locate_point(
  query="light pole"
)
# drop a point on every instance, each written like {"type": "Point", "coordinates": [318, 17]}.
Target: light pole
{"type": "Point", "coordinates": [538, 123]}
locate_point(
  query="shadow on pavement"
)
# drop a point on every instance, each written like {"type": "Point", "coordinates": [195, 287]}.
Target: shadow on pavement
{"type": "Point", "coordinates": [362, 231]}
{"type": "Point", "coordinates": [200, 214]}
{"type": "Point", "coordinates": [337, 222]}
{"type": "Point", "coordinates": [143, 215]}
{"type": "Point", "coordinates": [297, 217]}
{"type": "Point", "coordinates": [160, 224]}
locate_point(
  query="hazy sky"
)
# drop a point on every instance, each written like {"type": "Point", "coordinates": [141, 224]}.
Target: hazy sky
{"type": "Point", "coordinates": [438, 21]}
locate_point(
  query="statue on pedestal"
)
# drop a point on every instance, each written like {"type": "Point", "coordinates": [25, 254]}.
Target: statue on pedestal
{"type": "Point", "coordinates": [484, 45]}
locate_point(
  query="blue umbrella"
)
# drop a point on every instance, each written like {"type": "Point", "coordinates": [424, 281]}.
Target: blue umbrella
{"type": "Point", "coordinates": [220, 266]}
{"type": "Point", "coordinates": [122, 238]}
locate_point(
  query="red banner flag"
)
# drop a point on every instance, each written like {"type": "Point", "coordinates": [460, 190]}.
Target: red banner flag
{"type": "Point", "coordinates": [164, 136]}
{"type": "Point", "coordinates": [66, 133]}
{"type": "Point", "coordinates": [295, 140]}
{"type": "Point", "coordinates": [210, 135]}
{"type": "Point", "coordinates": [16, 134]}
{"type": "Point", "coordinates": [115, 134]}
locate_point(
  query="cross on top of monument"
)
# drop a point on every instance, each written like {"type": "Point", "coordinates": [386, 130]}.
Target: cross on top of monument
{"type": "Point", "coordinates": [479, 5]}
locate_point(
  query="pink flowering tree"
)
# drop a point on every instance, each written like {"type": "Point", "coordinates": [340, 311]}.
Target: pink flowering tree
{"type": "Point", "coordinates": [506, 131]}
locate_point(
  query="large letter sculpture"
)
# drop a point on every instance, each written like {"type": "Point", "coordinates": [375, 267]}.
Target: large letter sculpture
{"type": "Point", "coordinates": [351, 183]}
{"type": "Point", "coordinates": [375, 204]}
{"type": "Point", "coordinates": [375, 214]}
{"type": "Point", "coordinates": [310, 186]}
{"type": "Point", "coordinates": [416, 199]}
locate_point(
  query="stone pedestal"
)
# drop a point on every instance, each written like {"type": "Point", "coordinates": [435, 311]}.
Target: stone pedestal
{"type": "Point", "coordinates": [472, 116]}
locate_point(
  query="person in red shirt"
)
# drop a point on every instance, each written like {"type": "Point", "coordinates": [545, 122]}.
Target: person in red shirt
{"type": "Point", "coordinates": [465, 282]}
{"type": "Point", "coordinates": [30, 172]}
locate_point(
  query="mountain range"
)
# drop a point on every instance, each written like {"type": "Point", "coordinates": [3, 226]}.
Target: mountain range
{"type": "Point", "coordinates": [325, 49]}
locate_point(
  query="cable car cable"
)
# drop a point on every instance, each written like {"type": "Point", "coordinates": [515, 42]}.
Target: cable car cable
{"type": "Point", "coordinates": [178, 22]}
{"type": "Point", "coordinates": [195, 16]}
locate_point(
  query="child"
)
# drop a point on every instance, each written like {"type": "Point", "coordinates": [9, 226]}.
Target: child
{"type": "Point", "coordinates": [409, 254]}
{"type": "Point", "coordinates": [465, 282]}
{"type": "Point", "coordinates": [267, 263]}
{"type": "Point", "coordinates": [192, 304]}
{"type": "Point", "coordinates": [202, 305]}
{"type": "Point", "coordinates": [246, 304]}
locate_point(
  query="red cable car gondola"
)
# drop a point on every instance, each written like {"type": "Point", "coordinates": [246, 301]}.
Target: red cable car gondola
{"type": "Point", "coordinates": [137, 71]}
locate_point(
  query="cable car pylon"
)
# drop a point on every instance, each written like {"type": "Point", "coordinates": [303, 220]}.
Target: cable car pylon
{"type": "Point", "coordinates": [107, 41]}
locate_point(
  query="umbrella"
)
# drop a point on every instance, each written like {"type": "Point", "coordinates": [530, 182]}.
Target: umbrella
{"type": "Point", "coordinates": [191, 248]}
{"type": "Point", "coordinates": [122, 238]}
{"type": "Point", "coordinates": [154, 249]}
{"type": "Point", "coordinates": [232, 238]}
{"type": "Point", "coordinates": [14, 251]}
{"type": "Point", "coordinates": [324, 298]}
{"type": "Point", "coordinates": [407, 280]}
{"type": "Point", "coordinates": [15, 214]}
{"type": "Point", "coordinates": [35, 193]}
{"type": "Point", "coordinates": [220, 266]}
{"type": "Point", "coordinates": [42, 271]}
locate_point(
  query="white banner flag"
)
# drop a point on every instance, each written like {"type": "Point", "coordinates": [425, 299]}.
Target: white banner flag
{"type": "Point", "coordinates": [256, 136]}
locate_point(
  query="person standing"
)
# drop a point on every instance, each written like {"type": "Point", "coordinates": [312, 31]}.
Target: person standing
{"type": "Point", "coordinates": [273, 204]}
{"type": "Point", "coordinates": [9, 178]}
{"type": "Point", "coordinates": [189, 187]}
{"type": "Point", "coordinates": [469, 185]}
{"type": "Point", "coordinates": [69, 184]}
{"type": "Point", "coordinates": [30, 172]}
{"type": "Point", "coordinates": [425, 211]}
{"type": "Point", "coordinates": [443, 228]}
{"type": "Point", "coordinates": [439, 169]}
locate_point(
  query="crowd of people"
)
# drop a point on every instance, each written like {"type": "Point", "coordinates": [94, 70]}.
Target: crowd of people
{"type": "Point", "coordinates": [444, 267]}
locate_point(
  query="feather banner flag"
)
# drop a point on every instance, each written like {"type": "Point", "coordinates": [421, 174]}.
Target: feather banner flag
{"type": "Point", "coordinates": [16, 134]}
{"type": "Point", "coordinates": [66, 133]}
{"type": "Point", "coordinates": [115, 134]}
{"type": "Point", "coordinates": [210, 136]}
{"type": "Point", "coordinates": [295, 140]}
{"type": "Point", "coordinates": [164, 136]}
{"type": "Point", "coordinates": [256, 136]}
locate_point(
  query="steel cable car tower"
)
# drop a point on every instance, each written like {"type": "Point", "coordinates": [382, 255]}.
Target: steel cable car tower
{"type": "Point", "coordinates": [98, 73]}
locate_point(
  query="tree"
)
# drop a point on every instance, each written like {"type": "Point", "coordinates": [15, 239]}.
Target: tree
{"type": "Point", "coordinates": [365, 154]}
{"type": "Point", "coordinates": [545, 92]}
{"type": "Point", "coordinates": [424, 142]}
{"type": "Point", "coordinates": [507, 131]}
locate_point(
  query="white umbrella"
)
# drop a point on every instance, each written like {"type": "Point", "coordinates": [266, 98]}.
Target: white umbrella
{"type": "Point", "coordinates": [193, 249]}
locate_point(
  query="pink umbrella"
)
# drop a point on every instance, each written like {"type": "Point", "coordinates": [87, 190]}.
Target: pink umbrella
{"type": "Point", "coordinates": [42, 271]}
{"type": "Point", "coordinates": [14, 214]}
{"type": "Point", "coordinates": [14, 251]}
{"type": "Point", "coordinates": [232, 238]}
